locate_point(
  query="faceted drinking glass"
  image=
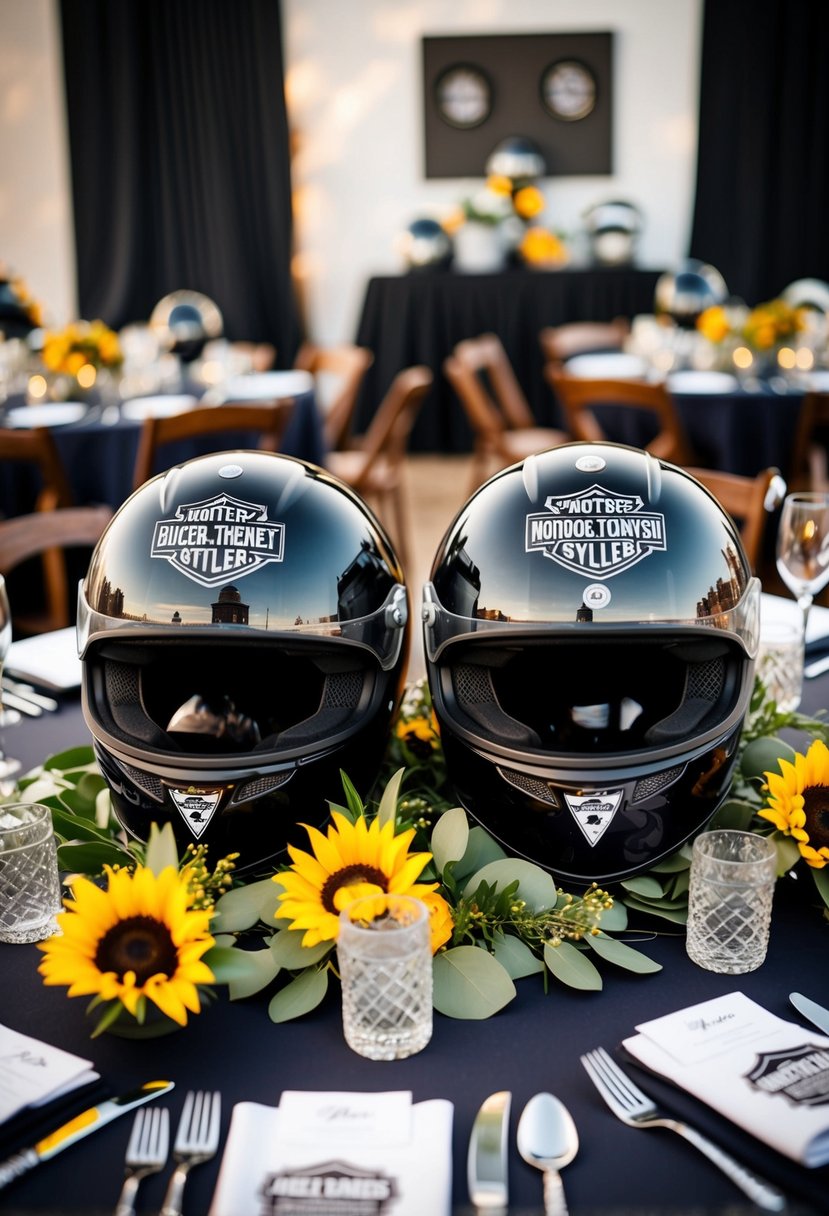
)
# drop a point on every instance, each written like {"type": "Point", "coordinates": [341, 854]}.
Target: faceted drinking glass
{"type": "Point", "coordinates": [29, 879]}
{"type": "Point", "coordinates": [729, 901]}
{"type": "Point", "coordinates": [385, 961]}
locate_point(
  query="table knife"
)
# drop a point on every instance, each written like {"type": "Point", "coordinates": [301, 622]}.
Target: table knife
{"type": "Point", "coordinates": [69, 1133]}
{"type": "Point", "coordinates": [815, 1013]}
{"type": "Point", "coordinates": [486, 1166]}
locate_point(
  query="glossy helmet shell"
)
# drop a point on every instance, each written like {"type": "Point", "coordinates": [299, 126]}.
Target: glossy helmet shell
{"type": "Point", "coordinates": [590, 627]}
{"type": "Point", "coordinates": [243, 630]}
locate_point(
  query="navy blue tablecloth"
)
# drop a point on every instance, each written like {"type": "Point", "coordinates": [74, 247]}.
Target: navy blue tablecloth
{"type": "Point", "coordinates": [534, 1044]}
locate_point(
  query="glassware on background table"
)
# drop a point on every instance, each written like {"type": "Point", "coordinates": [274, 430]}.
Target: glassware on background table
{"type": "Point", "coordinates": [385, 961]}
{"type": "Point", "coordinates": [780, 663]}
{"type": "Point", "coordinates": [8, 767]}
{"type": "Point", "coordinates": [803, 547]}
{"type": "Point", "coordinates": [729, 901]}
{"type": "Point", "coordinates": [29, 879]}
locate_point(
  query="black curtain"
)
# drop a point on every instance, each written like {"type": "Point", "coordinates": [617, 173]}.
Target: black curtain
{"type": "Point", "coordinates": [179, 150]}
{"type": "Point", "coordinates": [763, 170]}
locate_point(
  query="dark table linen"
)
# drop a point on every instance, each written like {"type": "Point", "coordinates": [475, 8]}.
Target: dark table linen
{"type": "Point", "coordinates": [534, 1044]}
{"type": "Point", "coordinates": [419, 318]}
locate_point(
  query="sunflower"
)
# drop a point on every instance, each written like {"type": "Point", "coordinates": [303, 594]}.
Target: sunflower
{"type": "Point", "coordinates": [138, 939]}
{"type": "Point", "coordinates": [353, 860]}
{"type": "Point", "coordinates": [798, 803]}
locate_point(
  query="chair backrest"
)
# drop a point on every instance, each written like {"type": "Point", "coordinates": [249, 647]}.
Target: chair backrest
{"type": "Point", "coordinates": [346, 365]}
{"type": "Point", "coordinates": [48, 534]}
{"type": "Point", "coordinates": [560, 342]}
{"type": "Point", "coordinates": [268, 419]}
{"type": "Point", "coordinates": [36, 447]}
{"type": "Point", "coordinates": [748, 500]}
{"type": "Point", "coordinates": [482, 375]}
{"type": "Point", "coordinates": [387, 436]}
{"type": "Point", "coordinates": [579, 397]}
{"type": "Point", "coordinates": [808, 466]}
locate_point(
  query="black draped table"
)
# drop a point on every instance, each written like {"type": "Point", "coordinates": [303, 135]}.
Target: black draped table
{"type": "Point", "coordinates": [419, 317]}
{"type": "Point", "coordinates": [534, 1044]}
{"type": "Point", "coordinates": [99, 451]}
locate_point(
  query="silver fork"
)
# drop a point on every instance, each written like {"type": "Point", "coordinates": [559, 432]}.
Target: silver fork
{"type": "Point", "coordinates": [197, 1139]}
{"type": "Point", "coordinates": [146, 1154]}
{"type": "Point", "coordinates": [636, 1109]}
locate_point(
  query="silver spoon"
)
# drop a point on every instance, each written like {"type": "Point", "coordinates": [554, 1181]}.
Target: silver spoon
{"type": "Point", "coordinates": [547, 1139]}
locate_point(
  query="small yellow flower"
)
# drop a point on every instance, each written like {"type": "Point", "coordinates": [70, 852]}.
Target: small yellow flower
{"type": "Point", "coordinates": [139, 937]}
{"type": "Point", "coordinates": [498, 184]}
{"type": "Point", "coordinates": [798, 802]}
{"type": "Point", "coordinates": [528, 202]}
{"type": "Point", "coordinates": [351, 861]}
{"type": "Point", "coordinates": [713, 323]}
{"type": "Point", "coordinates": [540, 247]}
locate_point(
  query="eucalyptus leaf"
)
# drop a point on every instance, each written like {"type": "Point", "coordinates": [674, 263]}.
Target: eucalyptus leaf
{"type": "Point", "coordinates": [515, 956]}
{"type": "Point", "coordinates": [162, 850]}
{"type": "Point", "coordinates": [300, 996]}
{"type": "Point", "coordinates": [290, 953]}
{"type": "Point", "coordinates": [622, 955]}
{"type": "Point", "coordinates": [763, 755]}
{"type": "Point", "coordinates": [535, 885]}
{"type": "Point", "coordinates": [614, 919]}
{"type": "Point", "coordinates": [734, 814]}
{"type": "Point", "coordinates": [480, 850]}
{"type": "Point", "coordinates": [665, 901]}
{"type": "Point", "coordinates": [72, 758]}
{"type": "Point", "coordinates": [572, 967]}
{"type": "Point", "coordinates": [387, 811]}
{"type": "Point", "coordinates": [788, 854]}
{"type": "Point", "coordinates": [450, 837]}
{"type": "Point", "coordinates": [469, 983]}
{"type": "Point", "coordinates": [91, 857]}
{"type": "Point", "coordinates": [644, 885]}
{"type": "Point", "coordinates": [679, 885]}
{"type": "Point", "coordinates": [229, 964]}
{"type": "Point", "coordinates": [76, 827]}
{"type": "Point", "coordinates": [78, 803]}
{"type": "Point", "coordinates": [261, 966]}
{"type": "Point", "coordinates": [677, 915]}
{"type": "Point", "coordinates": [243, 907]}
{"type": "Point", "coordinates": [821, 878]}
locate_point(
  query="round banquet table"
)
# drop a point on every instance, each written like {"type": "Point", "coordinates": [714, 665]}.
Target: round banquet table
{"type": "Point", "coordinates": [99, 451]}
{"type": "Point", "coordinates": [533, 1044]}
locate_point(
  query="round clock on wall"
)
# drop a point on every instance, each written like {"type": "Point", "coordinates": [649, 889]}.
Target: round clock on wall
{"type": "Point", "coordinates": [568, 89]}
{"type": "Point", "coordinates": [463, 94]}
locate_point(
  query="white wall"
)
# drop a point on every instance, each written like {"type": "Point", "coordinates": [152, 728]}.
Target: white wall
{"type": "Point", "coordinates": [354, 89]}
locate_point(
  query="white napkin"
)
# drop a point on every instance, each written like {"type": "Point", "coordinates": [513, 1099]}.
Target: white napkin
{"type": "Point", "coordinates": [778, 608]}
{"type": "Point", "coordinates": [48, 659]}
{"type": "Point", "coordinates": [378, 1151]}
{"type": "Point", "coordinates": [33, 1073]}
{"type": "Point", "coordinates": [767, 1075]}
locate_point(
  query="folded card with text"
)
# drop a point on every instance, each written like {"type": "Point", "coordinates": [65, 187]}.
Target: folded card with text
{"type": "Point", "coordinates": [767, 1075]}
{"type": "Point", "coordinates": [32, 1073]}
{"type": "Point", "coordinates": [338, 1152]}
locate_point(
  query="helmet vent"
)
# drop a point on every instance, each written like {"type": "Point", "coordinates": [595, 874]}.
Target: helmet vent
{"type": "Point", "coordinates": [150, 784]}
{"type": "Point", "coordinates": [343, 689]}
{"type": "Point", "coordinates": [649, 786]}
{"type": "Point", "coordinates": [122, 684]}
{"type": "Point", "coordinates": [260, 786]}
{"type": "Point", "coordinates": [529, 785]}
{"type": "Point", "coordinates": [705, 680]}
{"type": "Point", "coordinates": [473, 685]}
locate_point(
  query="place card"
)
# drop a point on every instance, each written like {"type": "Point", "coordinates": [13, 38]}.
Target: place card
{"type": "Point", "coordinates": [767, 1075]}
{"type": "Point", "coordinates": [33, 1073]}
{"type": "Point", "coordinates": [384, 1118]}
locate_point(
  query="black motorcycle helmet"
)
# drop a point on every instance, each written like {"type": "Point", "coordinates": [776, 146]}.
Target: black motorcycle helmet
{"type": "Point", "coordinates": [590, 628]}
{"type": "Point", "coordinates": [243, 630]}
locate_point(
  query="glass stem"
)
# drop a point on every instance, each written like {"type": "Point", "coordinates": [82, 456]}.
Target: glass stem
{"type": "Point", "coordinates": [804, 603]}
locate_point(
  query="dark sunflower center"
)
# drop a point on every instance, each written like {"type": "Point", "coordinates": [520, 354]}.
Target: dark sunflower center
{"type": "Point", "coordinates": [346, 877]}
{"type": "Point", "coordinates": [816, 809]}
{"type": "Point", "coordinates": [138, 944]}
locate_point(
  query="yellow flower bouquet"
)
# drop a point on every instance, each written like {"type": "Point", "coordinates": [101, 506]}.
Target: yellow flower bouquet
{"type": "Point", "coordinates": [81, 344]}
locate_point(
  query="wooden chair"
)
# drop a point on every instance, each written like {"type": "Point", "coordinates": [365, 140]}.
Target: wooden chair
{"type": "Point", "coordinates": [48, 534]}
{"type": "Point", "coordinates": [375, 467]}
{"type": "Point", "coordinates": [748, 500]}
{"type": "Point", "coordinates": [578, 399]}
{"type": "Point", "coordinates": [808, 468]}
{"type": "Point", "coordinates": [504, 428]}
{"type": "Point", "coordinates": [268, 419]}
{"type": "Point", "coordinates": [561, 342]}
{"type": "Point", "coordinates": [347, 366]}
{"type": "Point", "coordinates": [36, 447]}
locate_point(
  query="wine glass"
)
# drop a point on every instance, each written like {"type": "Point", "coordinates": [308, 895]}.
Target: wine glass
{"type": "Point", "coordinates": [8, 767]}
{"type": "Point", "coordinates": [803, 548]}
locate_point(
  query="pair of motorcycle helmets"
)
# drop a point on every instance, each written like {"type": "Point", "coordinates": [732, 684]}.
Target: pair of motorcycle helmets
{"type": "Point", "coordinates": [589, 629]}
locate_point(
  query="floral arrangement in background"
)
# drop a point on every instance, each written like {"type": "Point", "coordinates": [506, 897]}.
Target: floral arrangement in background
{"type": "Point", "coordinates": [81, 344]}
{"type": "Point", "coordinates": [494, 918]}
{"type": "Point", "coordinates": [762, 328]}
{"type": "Point", "coordinates": [516, 204]}
{"type": "Point", "coordinates": [19, 310]}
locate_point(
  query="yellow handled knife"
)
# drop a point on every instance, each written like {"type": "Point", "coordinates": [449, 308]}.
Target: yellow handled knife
{"type": "Point", "coordinates": [75, 1129]}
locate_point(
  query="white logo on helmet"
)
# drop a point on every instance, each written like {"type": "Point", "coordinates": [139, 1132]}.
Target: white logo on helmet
{"type": "Point", "coordinates": [197, 806]}
{"type": "Point", "coordinates": [595, 532]}
{"type": "Point", "coordinates": [218, 538]}
{"type": "Point", "coordinates": [593, 812]}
